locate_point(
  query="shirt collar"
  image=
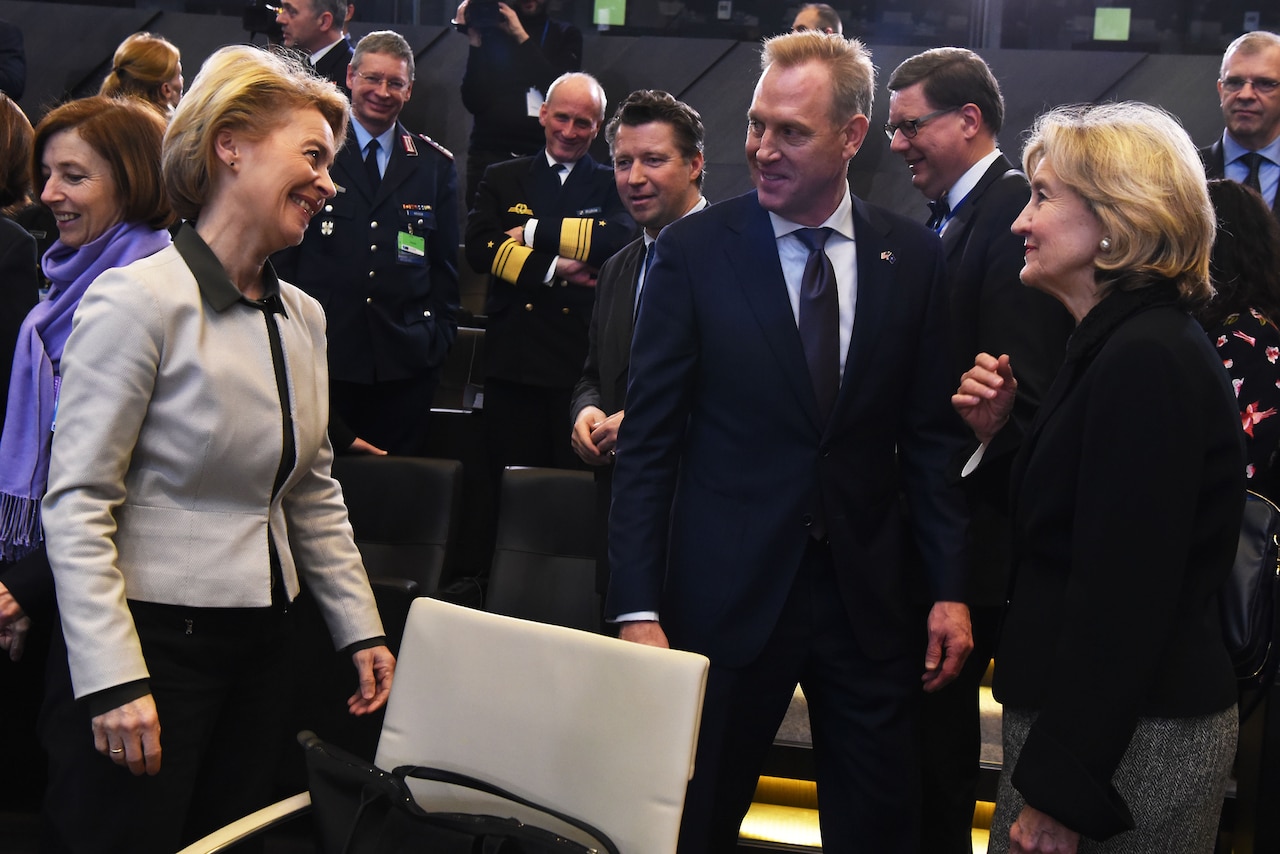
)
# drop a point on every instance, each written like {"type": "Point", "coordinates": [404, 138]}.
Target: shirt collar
{"type": "Point", "coordinates": [1232, 150]}
{"type": "Point", "coordinates": [385, 139]}
{"type": "Point", "coordinates": [318, 55]}
{"type": "Point", "coordinates": [551, 161]}
{"type": "Point", "coordinates": [961, 189]}
{"type": "Point", "coordinates": [215, 285]}
{"type": "Point", "coordinates": [697, 206]}
{"type": "Point", "coordinates": [840, 221]}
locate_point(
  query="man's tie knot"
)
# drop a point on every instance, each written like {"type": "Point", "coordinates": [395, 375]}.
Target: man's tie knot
{"type": "Point", "coordinates": [814, 239]}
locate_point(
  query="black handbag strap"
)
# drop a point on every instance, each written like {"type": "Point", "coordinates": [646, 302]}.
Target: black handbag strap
{"type": "Point", "coordinates": [455, 778]}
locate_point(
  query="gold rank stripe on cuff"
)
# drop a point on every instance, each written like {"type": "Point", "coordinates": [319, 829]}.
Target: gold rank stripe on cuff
{"type": "Point", "coordinates": [575, 237]}
{"type": "Point", "coordinates": [510, 260]}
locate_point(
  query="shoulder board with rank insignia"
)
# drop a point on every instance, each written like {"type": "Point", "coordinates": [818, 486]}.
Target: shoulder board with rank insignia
{"type": "Point", "coordinates": [437, 146]}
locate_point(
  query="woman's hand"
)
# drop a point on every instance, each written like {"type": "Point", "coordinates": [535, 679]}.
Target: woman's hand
{"type": "Point", "coordinates": [1039, 833]}
{"type": "Point", "coordinates": [375, 668]}
{"type": "Point", "coordinates": [985, 396]}
{"type": "Point", "coordinates": [14, 625]}
{"type": "Point", "coordinates": [130, 735]}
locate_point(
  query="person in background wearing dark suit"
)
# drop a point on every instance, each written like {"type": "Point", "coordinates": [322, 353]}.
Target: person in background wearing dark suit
{"type": "Point", "coordinates": [13, 61]}
{"type": "Point", "coordinates": [657, 146]}
{"type": "Point", "coordinates": [945, 111]}
{"type": "Point", "coordinates": [542, 226]}
{"type": "Point", "coordinates": [517, 50]}
{"type": "Point", "coordinates": [1249, 90]}
{"type": "Point", "coordinates": [788, 399]}
{"type": "Point", "coordinates": [317, 28]}
{"type": "Point", "coordinates": [381, 257]}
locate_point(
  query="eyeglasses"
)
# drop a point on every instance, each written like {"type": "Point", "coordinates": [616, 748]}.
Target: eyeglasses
{"type": "Point", "coordinates": [1261, 85]}
{"type": "Point", "coordinates": [912, 127]}
{"type": "Point", "coordinates": [395, 84]}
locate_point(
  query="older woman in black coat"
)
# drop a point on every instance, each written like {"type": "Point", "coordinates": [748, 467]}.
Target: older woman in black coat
{"type": "Point", "coordinates": [1126, 495]}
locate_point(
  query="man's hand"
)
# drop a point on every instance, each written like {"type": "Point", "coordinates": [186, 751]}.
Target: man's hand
{"type": "Point", "coordinates": [516, 234]}
{"type": "Point", "coordinates": [360, 446]}
{"type": "Point", "coordinates": [1039, 833]}
{"type": "Point", "coordinates": [583, 445]}
{"type": "Point", "coordinates": [129, 735]}
{"type": "Point", "coordinates": [950, 642]}
{"type": "Point", "coordinates": [14, 625]}
{"type": "Point", "coordinates": [576, 272]}
{"type": "Point", "coordinates": [375, 668]}
{"type": "Point", "coordinates": [511, 24]}
{"type": "Point", "coordinates": [647, 632]}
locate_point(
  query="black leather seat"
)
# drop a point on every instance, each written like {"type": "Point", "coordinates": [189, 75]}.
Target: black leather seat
{"type": "Point", "coordinates": [404, 512]}
{"type": "Point", "coordinates": [544, 559]}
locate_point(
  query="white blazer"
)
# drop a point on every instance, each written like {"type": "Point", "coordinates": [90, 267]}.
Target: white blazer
{"type": "Point", "coordinates": [166, 448]}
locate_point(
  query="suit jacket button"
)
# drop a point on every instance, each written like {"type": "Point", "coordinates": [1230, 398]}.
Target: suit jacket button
{"type": "Point", "coordinates": [564, 311]}
{"type": "Point", "coordinates": [368, 300]}
{"type": "Point", "coordinates": [373, 247]}
{"type": "Point", "coordinates": [808, 520]}
{"type": "Point", "coordinates": [373, 224]}
{"type": "Point", "coordinates": [328, 208]}
{"type": "Point", "coordinates": [371, 274]}
{"type": "Point", "coordinates": [426, 314]}
{"type": "Point", "coordinates": [528, 306]}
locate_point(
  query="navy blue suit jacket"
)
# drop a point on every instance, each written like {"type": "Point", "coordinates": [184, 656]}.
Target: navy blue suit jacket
{"type": "Point", "coordinates": [723, 462]}
{"type": "Point", "coordinates": [388, 318]}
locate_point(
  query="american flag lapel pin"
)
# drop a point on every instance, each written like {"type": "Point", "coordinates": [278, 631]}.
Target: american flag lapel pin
{"type": "Point", "coordinates": [888, 256]}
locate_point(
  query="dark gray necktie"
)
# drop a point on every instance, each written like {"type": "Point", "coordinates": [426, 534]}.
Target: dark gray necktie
{"type": "Point", "coordinates": [644, 277]}
{"type": "Point", "coordinates": [820, 318]}
{"type": "Point", "coordinates": [371, 164]}
{"type": "Point", "coordinates": [1253, 160]}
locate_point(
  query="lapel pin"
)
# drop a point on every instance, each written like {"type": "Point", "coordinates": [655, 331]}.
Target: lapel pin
{"type": "Point", "coordinates": [326, 227]}
{"type": "Point", "coordinates": [888, 256]}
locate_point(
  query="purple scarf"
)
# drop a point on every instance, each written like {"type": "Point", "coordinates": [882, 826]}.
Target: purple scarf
{"type": "Point", "coordinates": [33, 388]}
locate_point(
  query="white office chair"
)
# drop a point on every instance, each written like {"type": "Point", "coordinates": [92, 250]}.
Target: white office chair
{"type": "Point", "coordinates": [598, 728]}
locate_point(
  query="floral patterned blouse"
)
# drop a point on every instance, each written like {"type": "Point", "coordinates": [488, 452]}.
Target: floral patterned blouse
{"type": "Point", "coordinates": [1249, 345]}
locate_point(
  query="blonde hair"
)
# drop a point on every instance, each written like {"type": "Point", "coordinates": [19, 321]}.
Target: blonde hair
{"type": "Point", "coordinates": [241, 88]}
{"type": "Point", "coordinates": [143, 63]}
{"type": "Point", "coordinates": [848, 62]}
{"type": "Point", "coordinates": [1139, 173]}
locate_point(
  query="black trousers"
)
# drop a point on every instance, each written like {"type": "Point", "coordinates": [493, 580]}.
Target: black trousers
{"type": "Point", "coordinates": [390, 415]}
{"type": "Point", "coordinates": [220, 679]}
{"type": "Point", "coordinates": [951, 744]}
{"type": "Point", "coordinates": [861, 713]}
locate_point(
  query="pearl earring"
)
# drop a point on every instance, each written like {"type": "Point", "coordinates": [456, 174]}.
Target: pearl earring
{"type": "Point", "coordinates": [1105, 244]}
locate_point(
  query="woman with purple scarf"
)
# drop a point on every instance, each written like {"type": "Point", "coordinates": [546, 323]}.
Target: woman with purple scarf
{"type": "Point", "coordinates": [96, 165]}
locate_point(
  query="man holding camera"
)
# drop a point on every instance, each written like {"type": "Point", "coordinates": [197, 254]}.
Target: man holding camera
{"type": "Point", "coordinates": [516, 51]}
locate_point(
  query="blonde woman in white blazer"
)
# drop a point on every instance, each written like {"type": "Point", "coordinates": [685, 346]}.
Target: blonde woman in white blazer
{"type": "Point", "coordinates": [190, 485]}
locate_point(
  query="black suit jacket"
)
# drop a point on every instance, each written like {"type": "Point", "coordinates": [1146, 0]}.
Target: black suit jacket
{"type": "Point", "coordinates": [333, 65]}
{"type": "Point", "coordinates": [389, 317]}
{"type": "Point", "coordinates": [993, 312]}
{"type": "Point", "coordinates": [537, 334]}
{"type": "Point", "coordinates": [1215, 166]}
{"type": "Point", "coordinates": [13, 61]}
{"type": "Point", "coordinates": [1126, 503]}
{"type": "Point", "coordinates": [724, 463]}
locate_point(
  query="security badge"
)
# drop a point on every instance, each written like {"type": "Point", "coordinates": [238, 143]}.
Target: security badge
{"type": "Point", "coordinates": [411, 248]}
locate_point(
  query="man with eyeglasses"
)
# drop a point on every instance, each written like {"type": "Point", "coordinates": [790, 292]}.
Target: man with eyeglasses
{"type": "Point", "coordinates": [381, 257]}
{"type": "Point", "coordinates": [945, 111]}
{"type": "Point", "coordinates": [1249, 91]}
{"type": "Point", "coordinates": [315, 27]}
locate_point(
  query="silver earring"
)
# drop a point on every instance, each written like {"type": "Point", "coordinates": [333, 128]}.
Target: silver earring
{"type": "Point", "coordinates": [1105, 244]}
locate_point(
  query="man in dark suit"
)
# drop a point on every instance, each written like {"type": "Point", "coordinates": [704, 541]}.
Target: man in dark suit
{"type": "Point", "coordinates": [13, 61]}
{"type": "Point", "coordinates": [1249, 91]}
{"type": "Point", "coordinates": [945, 112]}
{"type": "Point", "coordinates": [657, 144]}
{"type": "Point", "coordinates": [542, 226]}
{"type": "Point", "coordinates": [517, 49]}
{"type": "Point", "coordinates": [760, 502]}
{"type": "Point", "coordinates": [382, 259]}
{"type": "Point", "coordinates": [315, 27]}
